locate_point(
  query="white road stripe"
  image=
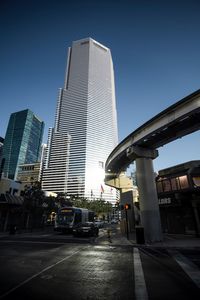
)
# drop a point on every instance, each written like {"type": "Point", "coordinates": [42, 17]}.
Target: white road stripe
{"type": "Point", "coordinates": [188, 266]}
{"type": "Point", "coordinates": [140, 285]}
{"type": "Point", "coordinates": [32, 242]}
{"type": "Point", "coordinates": [37, 274]}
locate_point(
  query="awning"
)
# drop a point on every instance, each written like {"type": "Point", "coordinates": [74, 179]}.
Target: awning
{"type": "Point", "coordinates": [11, 199]}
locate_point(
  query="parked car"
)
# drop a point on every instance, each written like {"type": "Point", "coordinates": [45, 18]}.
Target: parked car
{"type": "Point", "coordinates": [99, 223]}
{"type": "Point", "coordinates": [114, 221]}
{"type": "Point", "coordinates": [86, 229]}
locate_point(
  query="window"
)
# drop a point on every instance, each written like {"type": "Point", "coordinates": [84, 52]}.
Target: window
{"type": "Point", "coordinates": [196, 180]}
{"type": "Point", "coordinates": [166, 185]}
{"type": "Point", "coordinates": [86, 42]}
{"type": "Point", "coordinates": [101, 164]}
{"type": "Point", "coordinates": [178, 183]}
{"type": "Point", "coordinates": [183, 182]}
{"type": "Point", "coordinates": [174, 184]}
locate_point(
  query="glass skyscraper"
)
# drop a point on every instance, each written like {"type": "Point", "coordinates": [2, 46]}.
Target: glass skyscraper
{"type": "Point", "coordinates": [22, 142]}
{"type": "Point", "coordinates": [86, 116]}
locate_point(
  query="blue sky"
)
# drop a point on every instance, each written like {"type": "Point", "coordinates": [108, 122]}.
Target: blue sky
{"type": "Point", "coordinates": [155, 47]}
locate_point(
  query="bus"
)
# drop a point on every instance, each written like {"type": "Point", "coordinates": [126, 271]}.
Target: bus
{"type": "Point", "coordinates": [67, 217]}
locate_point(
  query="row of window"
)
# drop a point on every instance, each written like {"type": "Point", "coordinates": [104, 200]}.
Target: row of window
{"type": "Point", "coordinates": [176, 183]}
{"type": "Point", "coordinates": [172, 184]}
{"type": "Point", "coordinates": [27, 168]}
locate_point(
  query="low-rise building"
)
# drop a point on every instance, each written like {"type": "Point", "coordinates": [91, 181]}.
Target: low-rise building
{"type": "Point", "coordinates": [29, 173]}
{"type": "Point", "coordinates": [178, 190]}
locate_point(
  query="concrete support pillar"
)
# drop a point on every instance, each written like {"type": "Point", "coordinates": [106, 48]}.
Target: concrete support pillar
{"type": "Point", "coordinates": [149, 208]}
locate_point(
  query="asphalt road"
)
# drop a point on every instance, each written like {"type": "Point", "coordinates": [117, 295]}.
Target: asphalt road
{"type": "Point", "coordinates": [55, 267]}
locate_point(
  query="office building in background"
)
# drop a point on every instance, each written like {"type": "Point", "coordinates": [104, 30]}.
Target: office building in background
{"type": "Point", "coordinates": [29, 173]}
{"type": "Point", "coordinates": [1, 153]}
{"type": "Point", "coordinates": [86, 119]}
{"type": "Point", "coordinates": [22, 144]}
{"type": "Point", "coordinates": [56, 162]}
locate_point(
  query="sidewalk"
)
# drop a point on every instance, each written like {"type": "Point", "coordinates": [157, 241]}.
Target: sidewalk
{"type": "Point", "coordinates": [27, 232]}
{"type": "Point", "coordinates": [171, 240]}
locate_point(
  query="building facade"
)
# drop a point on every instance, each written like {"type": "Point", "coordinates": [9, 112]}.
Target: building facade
{"type": "Point", "coordinates": [29, 173]}
{"type": "Point", "coordinates": [178, 190]}
{"type": "Point", "coordinates": [22, 142]}
{"type": "Point", "coordinates": [1, 154]}
{"type": "Point", "coordinates": [1, 146]}
{"type": "Point", "coordinates": [56, 162]}
{"type": "Point", "coordinates": [86, 112]}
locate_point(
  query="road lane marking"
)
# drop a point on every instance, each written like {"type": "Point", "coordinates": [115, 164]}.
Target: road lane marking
{"type": "Point", "coordinates": [140, 285]}
{"type": "Point", "coordinates": [188, 266]}
{"type": "Point", "coordinates": [33, 242]}
{"type": "Point", "coordinates": [37, 274]}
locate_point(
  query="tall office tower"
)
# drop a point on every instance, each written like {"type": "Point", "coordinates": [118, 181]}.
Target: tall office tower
{"type": "Point", "coordinates": [42, 159]}
{"type": "Point", "coordinates": [22, 143]}
{"type": "Point", "coordinates": [86, 111]}
{"type": "Point", "coordinates": [1, 145]}
{"type": "Point", "coordinates": [55, 169]}
{"type": "Point", "coordinates": [1, 153]}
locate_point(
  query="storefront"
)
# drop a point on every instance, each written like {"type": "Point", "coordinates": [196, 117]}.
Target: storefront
{"type": "Point", "coordinates": [178, 190]}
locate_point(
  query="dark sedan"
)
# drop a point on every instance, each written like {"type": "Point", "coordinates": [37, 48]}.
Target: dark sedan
{"type": "Point", "coordinates": [86, 229]}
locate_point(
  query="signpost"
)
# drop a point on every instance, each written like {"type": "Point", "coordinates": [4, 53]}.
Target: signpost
{"type": "Point", "coordinates": [126, 207]}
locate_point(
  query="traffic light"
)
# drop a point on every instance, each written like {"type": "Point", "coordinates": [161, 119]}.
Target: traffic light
{"type": "Point", "coordinates": [127, 206]}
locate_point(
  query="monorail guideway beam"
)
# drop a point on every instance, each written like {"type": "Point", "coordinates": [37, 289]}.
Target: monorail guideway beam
{"type": "Point", "coordinates": [176, 121]}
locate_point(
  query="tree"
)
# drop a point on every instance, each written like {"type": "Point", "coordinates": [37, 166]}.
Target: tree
{"type": "Point", "coordinates": [50, 207]}
{"type": "Point", "coordinates": [63, 200]}
{"type": "Point", "coordinates": [32, 207]}
{"type": "Point", "coordinates": [99, 206]}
